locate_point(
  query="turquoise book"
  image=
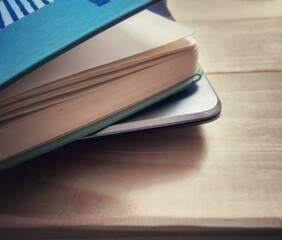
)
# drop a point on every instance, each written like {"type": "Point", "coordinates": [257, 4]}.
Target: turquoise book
{"type": "Point", "coordinates": [41, 30]}
{"type": "Point", "coordinates": [72, 67]}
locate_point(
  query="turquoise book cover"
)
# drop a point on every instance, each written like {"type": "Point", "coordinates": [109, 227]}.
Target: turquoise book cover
{"type": "Point", "coordinates": [33, 32]}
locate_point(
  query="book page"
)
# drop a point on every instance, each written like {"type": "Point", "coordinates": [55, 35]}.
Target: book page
{"type": "Point", "coordinates": [137, 34]}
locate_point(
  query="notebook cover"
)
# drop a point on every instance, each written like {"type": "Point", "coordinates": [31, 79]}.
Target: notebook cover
{"type": "Point", "coordinates": [98, 125]}
{"type": "Point", "coordinates": [54, 26]}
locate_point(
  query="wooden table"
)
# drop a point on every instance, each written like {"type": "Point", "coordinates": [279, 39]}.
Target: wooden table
{"type": "Point", "coordinates": [221, 178]}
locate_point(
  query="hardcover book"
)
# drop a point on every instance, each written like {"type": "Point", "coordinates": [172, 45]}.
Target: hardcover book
{"type": "Point", "coordinates": [104, 79]}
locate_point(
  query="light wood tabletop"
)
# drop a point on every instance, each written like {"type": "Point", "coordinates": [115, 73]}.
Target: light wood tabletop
{"type": "Point", "coordinates": [223, 176]}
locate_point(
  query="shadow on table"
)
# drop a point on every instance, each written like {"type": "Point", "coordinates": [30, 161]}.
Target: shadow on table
{"type": "Point", "coordinates": [95, 178]}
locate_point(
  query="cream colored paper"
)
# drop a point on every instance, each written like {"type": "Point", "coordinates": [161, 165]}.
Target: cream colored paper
{"type": "Point", "coordinates": [137, 34]}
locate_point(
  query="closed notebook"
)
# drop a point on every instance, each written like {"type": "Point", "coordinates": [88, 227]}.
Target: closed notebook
{"type": "Point", "coordinates": [120, 71]}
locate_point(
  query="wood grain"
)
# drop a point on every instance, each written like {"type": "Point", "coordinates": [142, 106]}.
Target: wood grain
{"type": "Point", "coordinates": [234, 36]}
{"type": "Point", "coordinates": [221, 175]}
{"type": "Point", "coordinates": [228, 169]}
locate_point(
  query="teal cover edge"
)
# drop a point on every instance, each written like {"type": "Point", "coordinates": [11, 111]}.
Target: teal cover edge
{"type": "Point", "coordinates": [98, 125]}
{"type": "Point", "coordinates": [54, 29]}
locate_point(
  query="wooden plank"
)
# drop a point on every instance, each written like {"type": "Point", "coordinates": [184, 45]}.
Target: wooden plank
{"type": "Point", "coordinates": [211, 10]}
{"type": "Point", "coordinates": [246, 48]}
{"type": "Point", "coordinates": [231, 40]}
